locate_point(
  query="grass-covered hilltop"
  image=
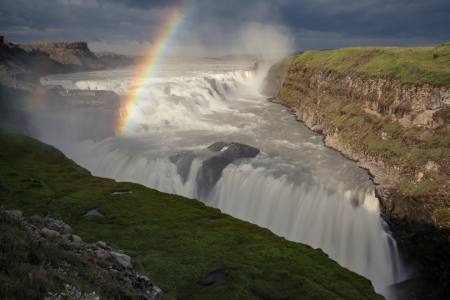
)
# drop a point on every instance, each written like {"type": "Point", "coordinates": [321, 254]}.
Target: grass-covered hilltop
{"type": "Point", "coordinates": [388, 109]}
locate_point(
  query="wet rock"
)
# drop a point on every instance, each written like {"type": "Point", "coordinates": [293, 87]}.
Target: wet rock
{"type": "Point", "coordinates": [183, 161]}
{"type": "Point", "coordinates": [213, 84]}
{"type": "Point", "coordinates": [217, 146]}
{"type": "Point", "coordinates": [236, 150]}
{"type": "Point", "coordinates": [212, 168]}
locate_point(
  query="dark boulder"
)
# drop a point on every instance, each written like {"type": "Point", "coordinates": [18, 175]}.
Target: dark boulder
{"type": "Point", "coordinates": [212, 168]}
{"type": "Point", "coordinates": [236, 150]}
{"type": "Point", "coordinates": [183, 161]}
{"type": "Point", "coordinates": [213, 84]}
{"type": "Point", "coordinates": [217, 146]}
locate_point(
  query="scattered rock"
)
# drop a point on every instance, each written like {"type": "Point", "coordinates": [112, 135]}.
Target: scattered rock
{"type": "Point", "coordinates": [76, 240]}
{"type": "Point", "coordinates": [122, 272]}
{"type": "Point", "coordinates": [66, 236]}
{"type": "Point", "coordinates": [102, 254]}
{"type": "Point", "coordinates": [122, 259]}
{"type": "Point", "coordinates": [67, 230]}
{"type": "Point", "coordinates": [156, 294]}
{"type": "Point", "coordinates": [432, 166]}
{"type": "Point", "coordinates": [49, 233]}
{"type": "Point", "coordinates": [94, 212]}
{"type": "Point", "coordinates": [52, 224]}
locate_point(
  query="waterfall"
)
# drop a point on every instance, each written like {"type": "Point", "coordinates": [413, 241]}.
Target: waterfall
{"type": "Point", "coordinates": [296, 187]}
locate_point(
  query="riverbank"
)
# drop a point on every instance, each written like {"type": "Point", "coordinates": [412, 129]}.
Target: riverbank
{"type": "Point", "coordinates": [387, 109]}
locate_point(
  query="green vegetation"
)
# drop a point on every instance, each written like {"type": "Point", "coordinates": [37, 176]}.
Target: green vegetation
{"type": "Point", "coordinates": [417, 65]}
{"type": "Point", "coordinates": [172, 239]}
{"type": "Point", "coordinates": [338, 90]}
{"type": "Point", "coordinates": [32, 267]}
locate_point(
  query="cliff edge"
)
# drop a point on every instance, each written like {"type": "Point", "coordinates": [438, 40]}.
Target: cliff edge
{"type": "Point", "coordinates": [21, 66]}
{"type": "Point", "coordinates": [389, 110]}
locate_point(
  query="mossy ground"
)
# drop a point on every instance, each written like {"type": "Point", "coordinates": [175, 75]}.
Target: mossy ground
{"type": "Point", "coordinates": [418, 65]}
{"type": "Point", "coordinates": [172, 239]}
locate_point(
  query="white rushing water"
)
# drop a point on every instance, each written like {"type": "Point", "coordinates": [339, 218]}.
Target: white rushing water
{"type": "Point", "coordinates": [296, 187]}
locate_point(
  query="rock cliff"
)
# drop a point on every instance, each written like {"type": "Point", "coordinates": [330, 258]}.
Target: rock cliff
{"type": "Point", "coordinates": [387, 109]}
{"type": "Point", "coordinates": [22, 65]}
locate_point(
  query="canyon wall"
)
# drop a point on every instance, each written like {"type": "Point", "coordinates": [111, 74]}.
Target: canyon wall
{"type": "Point", "coordinates": [395, 126]}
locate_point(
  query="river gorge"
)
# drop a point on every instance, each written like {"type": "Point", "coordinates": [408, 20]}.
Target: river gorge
{"type": "Point", "coordinates": [296, 186]}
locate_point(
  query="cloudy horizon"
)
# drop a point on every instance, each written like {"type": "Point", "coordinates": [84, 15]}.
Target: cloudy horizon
{"type": "Point", "coordinates": [209, 28]}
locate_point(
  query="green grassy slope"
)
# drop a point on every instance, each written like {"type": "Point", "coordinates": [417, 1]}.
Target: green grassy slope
{"type": "Point", "coordinates": [418, 65]}
{"type": "Point", "coordinates": [171, 238]}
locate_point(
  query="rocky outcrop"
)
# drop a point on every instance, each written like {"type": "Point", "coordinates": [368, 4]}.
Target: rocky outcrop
{"type": "Point", "coordinates": [66, 53]}
{"type": "Point", "coordinates": [22, 65]}
{"type": "Point", "coordinates": [212, 168]}
{"type": "Point", "coordinates": [119, 266]}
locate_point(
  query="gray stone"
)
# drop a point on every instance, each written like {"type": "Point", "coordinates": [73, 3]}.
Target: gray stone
{"type": "Point", "coordinates": [101, 244]}
{"type": "Point", "coordinates": [66, 236]}
{"type": "Point", "coordinates": [143, 278]}
{"type": "Point", "coordinates": [102, 254]}
{"type": "Point", "coordinates": [156, 294]}
{"type": "Point", "coordinates": [218, 146]}
{"type": "Point", "coordinates": [50, 233]}
{"type": "Point", "coordinates": [76, 240]}
{"type": "Point", "coordinates": [51, 224]}
{"type": "Point", "coordinates": [122, 259]}
{"type": "Point", "coordinates": [68, 229]}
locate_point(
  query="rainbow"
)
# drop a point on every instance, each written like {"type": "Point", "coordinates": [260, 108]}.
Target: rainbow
{"type": "Point", "coordinates": [161, 39]}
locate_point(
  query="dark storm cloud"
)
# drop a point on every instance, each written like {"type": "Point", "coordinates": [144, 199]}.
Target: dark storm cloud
{"type": "Point", "coordinates": [381, 18]}
{"type": "Point", "coordinates": [145, 4]}
{"type": "Point", "coordinates": [313, 24]}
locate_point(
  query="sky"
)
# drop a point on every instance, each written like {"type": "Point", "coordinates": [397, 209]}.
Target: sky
{"type": "Point", "coordinates": [212, 28]}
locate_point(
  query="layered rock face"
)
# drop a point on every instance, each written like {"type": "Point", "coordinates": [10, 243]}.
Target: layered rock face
{"type": "Point", "coordinates": [398, 131]}
{"type": "Point", "coordinates": [67, 53]}
{"type": "Point", "coordinates": [22, 65]}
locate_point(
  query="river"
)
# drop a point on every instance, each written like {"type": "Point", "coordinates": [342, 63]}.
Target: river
{"type": "Point", "coordinates": [295, 186]}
